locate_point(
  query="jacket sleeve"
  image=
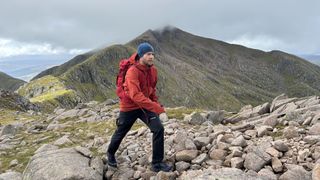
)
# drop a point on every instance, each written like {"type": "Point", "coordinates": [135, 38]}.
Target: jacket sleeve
{"type": "Point", "coordinates": [136, 95]}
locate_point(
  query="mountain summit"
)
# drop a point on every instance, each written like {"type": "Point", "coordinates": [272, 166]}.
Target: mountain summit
{"type": "Point", "coordinates": [194, 71]}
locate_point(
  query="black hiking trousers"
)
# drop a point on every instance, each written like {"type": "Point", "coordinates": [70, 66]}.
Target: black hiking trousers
{"type": "Point", "coordinates": [152, 120]}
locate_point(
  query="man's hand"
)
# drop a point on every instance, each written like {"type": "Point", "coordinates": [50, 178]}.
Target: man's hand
{"type": "Point", "coordinates": [163, 117]}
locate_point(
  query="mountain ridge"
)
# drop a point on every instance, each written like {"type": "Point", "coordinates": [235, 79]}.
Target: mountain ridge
{"type": "Point", "coordinates": [198, 72]}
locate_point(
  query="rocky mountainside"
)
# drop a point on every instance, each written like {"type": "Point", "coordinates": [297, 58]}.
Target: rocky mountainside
{"type": "Point", "coordinates": [195, 72]}
{"type": "Point", "coordinates": [9, 83]}
{"type": "Point", "coordinates": [279, 139]}
{"type": "Point", "coordinates": [13, 101]}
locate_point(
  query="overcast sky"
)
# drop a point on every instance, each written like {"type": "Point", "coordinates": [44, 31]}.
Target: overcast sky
{"type": "Point", "coordinates": [75, 26]}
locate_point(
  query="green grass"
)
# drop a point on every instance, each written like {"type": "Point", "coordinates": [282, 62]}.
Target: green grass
{"type": "Point", "coordinates": [51, 95]}
{"type": "Point", "coordinates": [279, 133]}
{"type": "Point", "coordinates": [8, 116]}
{"type": "Point", "coordinates": [180, 112]}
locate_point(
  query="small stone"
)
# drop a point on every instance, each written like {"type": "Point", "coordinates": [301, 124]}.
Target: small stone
{"type": "Point", "coordinates": [263, 130]}
{"type": "Point", "coordinates": [316, 172]}
{"type": "Point", "coordinates": [186, 155]}
{"type": "Point", "coordinates": [280, 146]}
{"type": "Point", "coordinates": [201, 141]}
{"type": "Point", "coordinates": [200, 159]}
{"type": "Point", "coordinates": [315, 129]}
{"type": "Point", "coordinates": [189, 144]}
{"type": "Point", "coordinates": [182, 166]}
{"type": "Point", "coordinates": [237, 162]}
{"type": "Point", "coordinates": [290, 132]}
{"type": "Point", "coordinates": [14, 163]}
{"type": "Point", "coordinates": [137, 174]}
{"type": "Point", "coordinates": [63, 140]}
{"type": "Point", "coordinates": [267, 173]}
{"type": "Point", "coordinates": [276, 165]}
{"type": "Point", "coordinates": [303, 154]}
{"type": "Point", "coordinates": [239, 141]}
{"type": "Point", "coordinates": [273, 152]}
{"type": "Point", "coordinates": [218, 154]}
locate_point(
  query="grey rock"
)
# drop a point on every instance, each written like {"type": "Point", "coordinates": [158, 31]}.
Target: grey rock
{"type": "Point", "coordinates": [263, 130]}
{"type": "Point", "coordinates": [262, 109]}
{"type": "Point", "coordinates": [239, 141]}
{"type": "Point", "coordinates": [186, 155]}
{"type": "Point", "coordinates": [189, 144]}
{"type": "Point", "coordinates": [8, 130]}
{"type": "Point", "coordinates": [268, 174]}
{"type": "Point", "coordinates": [123, 173]}
{"type": "Point", "coordinates": [200, 159]}
{"type": "Point", "coordinates": [237, 162]}
{"type": "Point", "coordinates": [223, 173]}
{"type": "Point", "coordinates": [254, 162]}
{"type": "Point", "coordinates": [273, 152]}
{"type": "Point", "coordinates": [11, 176]}
{"type": "Point", "coordinates": [271, 120]}
{"type": "Point", "coordinates": [303, 154]}
{"type": "Point", "coordinates": [281, 146]}
{"type": "Point", "coordinates": [46, 147]}
{"type": "Point", "coordinates": [13, 163]}
{"type": "Point", "coordinates": [290, 132]}
{"type": "Point", "coordinates": [195, 118]}
{"type": "Point", "coordinates": [63, 163]}
{"type": "Point", "coordinates": [182, 166]}
{"type": "Point", "coordinates": [315, 129]}
{"type": "Point", "coordinates": [201, 141]}
{"type": "Point", "coordinates": [296, 173]}
{"type": "Point", "coordinates": [67, 114]}
{"type": "Point", "coordinates": [316, 172]}
{"type": "Point", "coordinates": [215, 117]}
{"type": "Point", "coordinates": [63, 140]}
{"type": "Point", "coordinates": [276, 165]}
{"type": "Point", "coordinates": [97, 164]}
{"type": "Point", "coordinates": [218, 154]}
{"type": "Point", "coordinates": [84, 151]}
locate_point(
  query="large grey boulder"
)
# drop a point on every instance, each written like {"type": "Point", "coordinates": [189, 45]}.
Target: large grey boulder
{"type": "Point", "coordinates": [296, 172]}
{"type": "Point", "coordinates": [223, 173]}
{"type": "Point", "coordinates": [257, 157]}
{"type": "Point", "coordinates": [215, 117]}
{"type": "Point", "coordinates": [315, 129]}
{"type": "Point", "coordinates": [195, 119]}
{"type": "Point", "coordinates": [11, 176]}
{"type": "Point", "coordinates": [64, 163]}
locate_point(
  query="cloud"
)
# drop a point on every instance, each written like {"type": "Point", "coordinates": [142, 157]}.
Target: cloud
{"type": "Point", "coordinates": [9, 47]}
{"type": "Point", "coordinates": [76, 24]}
{"type": "Point", "coordinates": [261, 42]}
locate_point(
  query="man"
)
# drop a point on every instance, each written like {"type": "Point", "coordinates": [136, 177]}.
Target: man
{"type": "Point", "coordinates": [140, 101]}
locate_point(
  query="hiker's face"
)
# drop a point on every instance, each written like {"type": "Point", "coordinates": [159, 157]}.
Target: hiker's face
{"type": "Point", "coordinates": [147, 58]}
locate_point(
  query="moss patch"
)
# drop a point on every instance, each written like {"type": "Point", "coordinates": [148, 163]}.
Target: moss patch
{"type": "Point", "coordinates": [180, 112]}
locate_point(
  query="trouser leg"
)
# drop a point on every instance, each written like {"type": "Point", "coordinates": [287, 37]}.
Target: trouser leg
{"type": "Point", "coordinates": [152, 120]}
{"type": "Point", "coordinates": [124, 124]}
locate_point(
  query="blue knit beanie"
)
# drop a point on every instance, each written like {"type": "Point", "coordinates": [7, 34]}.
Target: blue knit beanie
{"type": "Point", "coordinates": [144, 48]}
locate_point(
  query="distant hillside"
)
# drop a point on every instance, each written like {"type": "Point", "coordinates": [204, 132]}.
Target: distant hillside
{"type": "Point", "coordinates": [58, 70]}
{"type": "Point", "coordinates": [197, 72]}
{"type": "Point", "coordinates": [9, 83]}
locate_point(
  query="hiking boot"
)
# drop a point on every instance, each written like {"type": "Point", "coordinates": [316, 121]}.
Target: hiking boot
{"type": "Point", "coordinates": [161, 167]}
{"type": "Point", "coordinates": [112, 160]}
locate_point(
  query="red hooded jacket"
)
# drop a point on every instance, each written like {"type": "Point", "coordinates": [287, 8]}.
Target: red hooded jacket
{"type": "Point", "coordinates": [140, 88]}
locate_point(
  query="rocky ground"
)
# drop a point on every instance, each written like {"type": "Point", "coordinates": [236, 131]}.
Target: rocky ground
{"type": "Point", "coordinates": [276, 140]}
